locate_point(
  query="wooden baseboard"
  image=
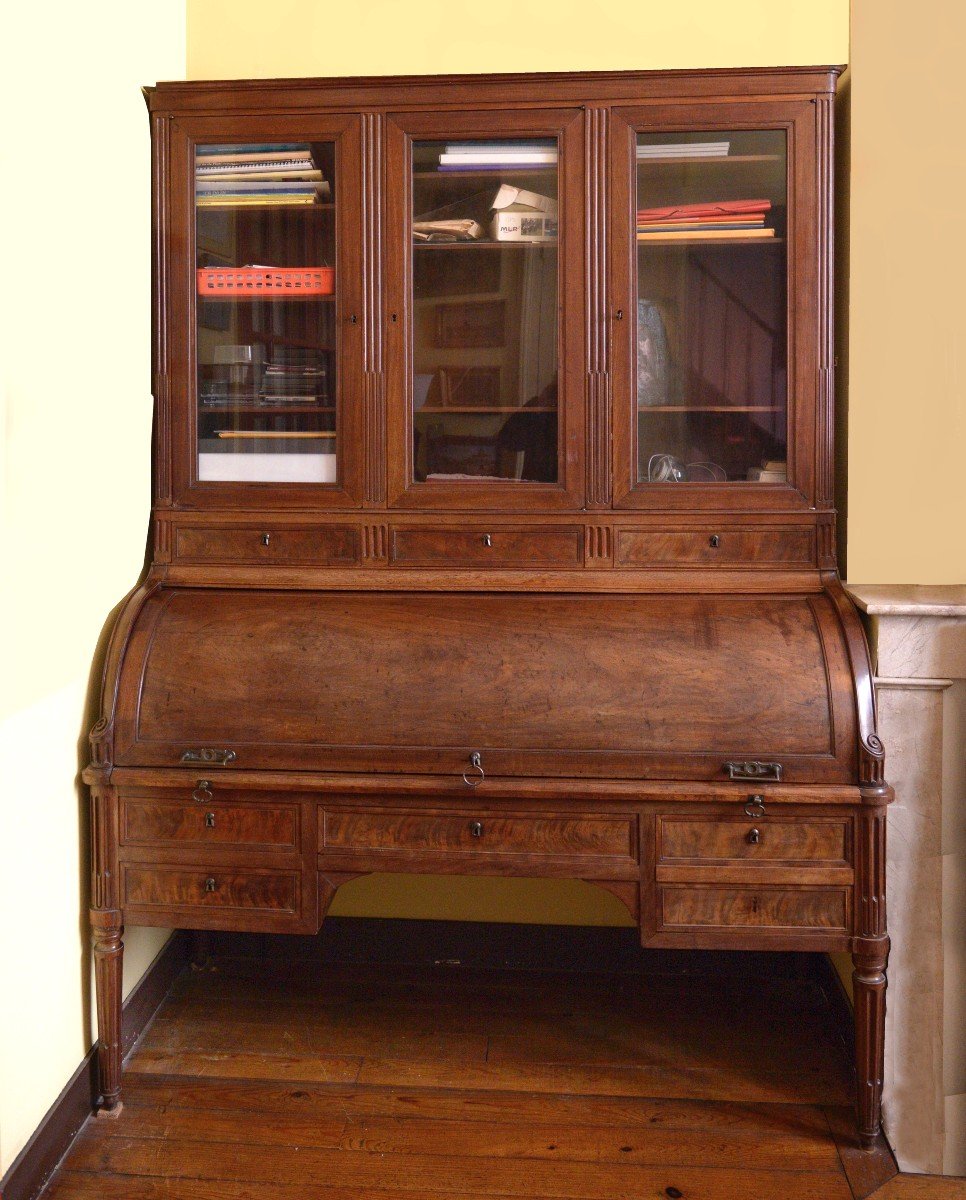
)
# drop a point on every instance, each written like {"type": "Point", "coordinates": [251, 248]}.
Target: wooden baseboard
{"type": "Point", "coordinates": [33, 1166]}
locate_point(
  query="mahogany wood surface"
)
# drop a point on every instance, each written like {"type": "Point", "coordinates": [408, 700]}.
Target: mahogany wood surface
{"type": "Point", "coordinates": [592, 678]}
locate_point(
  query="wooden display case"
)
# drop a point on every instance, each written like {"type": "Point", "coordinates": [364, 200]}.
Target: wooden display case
{"type": "Point", "coordinates": [509, 547]}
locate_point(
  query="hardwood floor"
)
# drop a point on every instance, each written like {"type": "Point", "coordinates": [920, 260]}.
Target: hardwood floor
{"type": "Point", "coordinates": [293, 1079]}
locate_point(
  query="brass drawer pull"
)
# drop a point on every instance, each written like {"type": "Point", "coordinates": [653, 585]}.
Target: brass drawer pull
{"type": "Point", "coordinates": [202, 792]}
{"type": "Point", "coordinates": [209, 820]}
{"type": "Point", "coordinates": [753, 770]}
{"type": "Point", "coordinates": [476, 760]}
{"type": "Point", "coordinates": [206, 755]}
{"type": "Point", "coordinates": [487, 540]}
{"type": "Point", "coordinates": [476, 829]}
{"type": "Point", "coordinates": [755, 807]}
{"type": "Point", "coordinates": [266, 538]}
{"type": "Point", "coordinates": [210, 884]}
{"type": "Point", "coordinates": [754, 836]}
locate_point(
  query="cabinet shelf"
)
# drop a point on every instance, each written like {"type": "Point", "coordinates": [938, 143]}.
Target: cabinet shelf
{"type": "Point", "coordinates": [713, 408]}
{"type": "Point", "coordinates": [485, 411]}
{"type": "Point", "coordinates": [726, 160]}
{"type": "Point", "coordinates": [254, 299]}
{"type": "Point", "coordinates": [485, 245]}
{"type": "Point", "coordinates": [264, 410]}
{"type": "Point", "coordinates": [496, 177]}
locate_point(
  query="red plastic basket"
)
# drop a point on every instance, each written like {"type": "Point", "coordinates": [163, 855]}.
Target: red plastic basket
{"type": "Point", "coordinates": [288, 283]}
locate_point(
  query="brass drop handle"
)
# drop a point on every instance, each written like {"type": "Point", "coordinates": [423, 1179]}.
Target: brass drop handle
{"type": "Point", "coordinates": [266, 538]}
{"type": "Point", "coordinates": [487, 540]}
{"type": "Point", "coordinates": [476, 761]}
{"type": "Point", "coordinates": [209, 820]}
{"type": "Point", "coordinates": [755, 806]}
{"type": "Point", "coordinates": [754, 836]}
{"type": "Point", "coordinates": [210, 884]}
{"type": "Point", "coordinates": [476, 829]}
{"type": "Point", "coordinates": [202, 792]}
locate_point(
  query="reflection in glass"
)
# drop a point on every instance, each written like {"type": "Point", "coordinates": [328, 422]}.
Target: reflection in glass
{"type": "Point", "coordinates": [485, 310]}
{"type": "Point", "coordinates": [266, 349]}
{"type": "Point", "coordinates": [711, 307]}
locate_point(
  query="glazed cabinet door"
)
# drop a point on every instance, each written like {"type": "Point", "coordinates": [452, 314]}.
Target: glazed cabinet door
{"type": "Point", "coordinates": [264, 288]}
{"type": "Point", "coordinates": [716, 258]}
{"type": "Point", "coordinates": [485, 309]}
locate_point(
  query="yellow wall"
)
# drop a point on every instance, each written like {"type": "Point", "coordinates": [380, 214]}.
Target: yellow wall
{"type": "Point", "coordinates": [75, 409]}
{"type": "Point", "coordinates": [256, 38]}
{"type": "Point", "coordinates": [906, 378]}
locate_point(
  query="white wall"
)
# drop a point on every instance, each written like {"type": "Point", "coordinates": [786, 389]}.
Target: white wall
{"type": "Point", "coordinates": [75, 407]}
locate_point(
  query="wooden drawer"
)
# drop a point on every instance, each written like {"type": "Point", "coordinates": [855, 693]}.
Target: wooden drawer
{"type": "Point", "coordinates": [309, 545]}
{"type": "Point", "coordinates": [785, 545]}
{"type": "Point", "coordinates": [697, 906]}
{"type": "Point", "coordinates": [821, 841]}
{"type": "Point", "coordinates": [482, 547]}
{"type": "Point", "coordinates": [151, 822]}
{"type": "Point", "coordinates": [562, 836]}
{"type": "Point", "coordinates": [156, 886]}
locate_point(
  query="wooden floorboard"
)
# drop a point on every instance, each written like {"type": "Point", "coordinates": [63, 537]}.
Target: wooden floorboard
{"type": "Point", "coordinates": [284, 1080]}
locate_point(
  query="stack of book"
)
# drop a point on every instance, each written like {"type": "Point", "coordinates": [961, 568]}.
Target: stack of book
{"type": "Point", "coordinates": [295, 375]}
{"type": "Point", "coordinates": [497, 156]}
{"type": "Point", "coordinates": [771, 471]}
{"type": "Point", "coordinates": [648, 152]}
{"type": "Point", "coordinates": [281, 174]}
{"type": "Point", "coordinates": [741, 220]}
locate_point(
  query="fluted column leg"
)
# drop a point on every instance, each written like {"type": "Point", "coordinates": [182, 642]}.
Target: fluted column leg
{"type": "Point", "coordinates": [108, 961]}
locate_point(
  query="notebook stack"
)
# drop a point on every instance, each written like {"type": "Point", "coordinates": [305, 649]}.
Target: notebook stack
{"type": "Point", "coordinates": [278, 175]}
{"type": "Point", "coordinates": [667, 151]}
{"type": "Point", "coordinates": [741, 220]}
{"type": "Point", "coordinates": [497, 156]}
{"type": "Point", "coordinates": [295, 375]}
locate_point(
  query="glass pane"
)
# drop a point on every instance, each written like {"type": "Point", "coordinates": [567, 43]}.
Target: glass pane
{"type": "Point", "coordinates": [266, 348]}
{"type": "Point", "coordinates": [485, 310]}
{"type": "Point", "coordinates": [711, 307]}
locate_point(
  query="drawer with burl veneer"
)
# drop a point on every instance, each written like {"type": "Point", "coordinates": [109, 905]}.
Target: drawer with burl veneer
{"type": "Point", "coordinates": [551, 546]}
{"type": "Point", "coordinates": [153, 821]}
{"type": "Point", "coordinates": [286, 545]}
{"type": "Point", "coordinates": [212, 897]}
{"type": "Point", "coordinates": [783, 910]}
{"type": "Point", "coordinates": [599, 843]}
{"type": "Point", "coordinates": [785, 546]}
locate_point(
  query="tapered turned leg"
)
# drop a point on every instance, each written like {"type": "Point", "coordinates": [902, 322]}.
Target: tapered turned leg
{"type": "Point", "coordinates": [108, 960]}
{"type": "Point", "coordinates": [869, 984]}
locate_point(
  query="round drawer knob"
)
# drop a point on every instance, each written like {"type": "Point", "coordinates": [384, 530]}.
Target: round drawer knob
{"type": "Point", "coordinates": [202, 792]}
{"type": "Point", "coordinates": [754, 836]}
{"type": "Point", "coordinates": [210, 884]}
{"type": "Point", "coordinates": [714, 541]}
{"type": "Point", "coordinates": [476, 829]}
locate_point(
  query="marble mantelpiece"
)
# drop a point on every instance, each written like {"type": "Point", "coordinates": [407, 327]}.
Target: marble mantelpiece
{"type": "Point", "coordinates": [918, 641]}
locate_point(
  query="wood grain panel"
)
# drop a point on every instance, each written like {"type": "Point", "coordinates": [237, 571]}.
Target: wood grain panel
{"type": "Point", "coordinates": [486, 547]}
{"type": "Point", "coordinates": [804, 840]}
{"type": "Point", "coordinates": [792, 546]}
{"type": "Point", "coordinates": [698, 905]}
{"type": "Point", "coordinates": [493, 833]}
{"type": "Point", "coordinates": [148, 886]}
{"type": "Point", "coordinates": [155, 822]}
{"type": "Point", "coordinates": [560, 684]}
{"type": "Point", "coordinates": [317, 545]}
